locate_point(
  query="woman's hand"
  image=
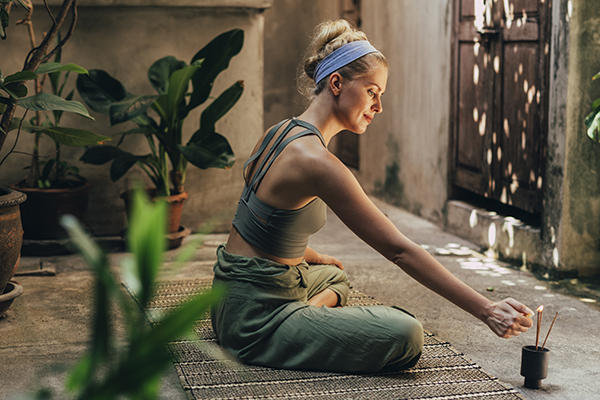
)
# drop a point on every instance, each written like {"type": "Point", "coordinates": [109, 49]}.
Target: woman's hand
{"type": "Point", "coordinates": [330, 260]}
{"type": "Point", "coordinates": [312, 257]}
{"type": "Point", "coordinates": [508, 318]}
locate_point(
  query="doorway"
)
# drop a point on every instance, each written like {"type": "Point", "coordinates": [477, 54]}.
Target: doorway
{"type": "Point", "coordinates": [500, 102]}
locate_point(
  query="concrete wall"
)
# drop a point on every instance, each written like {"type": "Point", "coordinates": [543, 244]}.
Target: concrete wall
{"type": "Point", "coordinates": [580, 240]}
{"type": "Point", "coordinates": [406, 147]}
{"type": "Point", "coordinates": [404, 156]}
{"type": "Point", "coordinates": [124, 38]}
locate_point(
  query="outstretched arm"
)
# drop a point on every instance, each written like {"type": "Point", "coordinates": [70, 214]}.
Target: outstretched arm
{"type": "Point", "coordinates": [342, 192]}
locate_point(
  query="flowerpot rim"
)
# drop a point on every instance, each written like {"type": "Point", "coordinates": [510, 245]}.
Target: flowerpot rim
{"type": "Point", "coordinates": [16, 291]}
{"type": "Point", "coordinates": [12, 197]}
{"type": "Point", "coordinates": [83, 187]}
{"type": "Point", "coordinates": [539, 349]}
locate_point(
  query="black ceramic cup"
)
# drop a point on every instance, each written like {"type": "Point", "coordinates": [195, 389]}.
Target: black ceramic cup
{"type": "Point", "coordinates": [534, 366]}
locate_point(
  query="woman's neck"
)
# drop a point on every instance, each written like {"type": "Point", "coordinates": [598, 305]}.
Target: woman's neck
{"type": "Point", "coordinates": [320, 114]}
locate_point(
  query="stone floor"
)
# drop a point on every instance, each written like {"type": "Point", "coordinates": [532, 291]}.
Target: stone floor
{"type": "Point", "coordinates": [47, 328]}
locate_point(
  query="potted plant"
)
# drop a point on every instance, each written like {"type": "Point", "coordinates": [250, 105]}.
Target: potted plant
{"type": "Point", "coordinates": [13, 94]}
{"type": "Point", "coordinates": [54, 187]}
{"type": "Point", "coordinates": [181, 88]}
{"type": "Point", "coordinates": [593, 119]}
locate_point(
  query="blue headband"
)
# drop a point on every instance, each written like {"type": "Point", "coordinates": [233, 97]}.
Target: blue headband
{"type": "Point", "coordinates": [342, 57]}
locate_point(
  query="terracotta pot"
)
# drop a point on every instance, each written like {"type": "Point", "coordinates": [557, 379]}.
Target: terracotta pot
{"type": "Point", "coordinates": [175, 207]}
{"type": "Point", "coordinates": [44, 207]}
{"type": "Point", "coordinates": [11, 233]}
{"type": "Point", "coordinates": [11, 292]}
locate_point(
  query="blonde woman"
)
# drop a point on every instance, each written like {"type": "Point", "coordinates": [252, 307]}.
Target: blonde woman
{"type": "Point", "coordinates": [284, 306]}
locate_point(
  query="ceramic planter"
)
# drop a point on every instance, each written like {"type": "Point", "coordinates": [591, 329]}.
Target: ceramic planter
{"type": "Point", "coordinates": [11, 233]}
{"type": "Point", "coordinates": [44, 207]}
{"type": "Point", "coordinates": [11, 292]}
{"type": "Point", "coordinates": [534, 366]}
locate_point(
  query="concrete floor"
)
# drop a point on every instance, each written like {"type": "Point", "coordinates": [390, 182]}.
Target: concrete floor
{"type": "Point", "coordinates": [47, 328]}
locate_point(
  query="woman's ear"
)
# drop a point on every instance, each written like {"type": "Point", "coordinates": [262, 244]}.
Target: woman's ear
{"type": "Point", "coordinates": [335, 83]}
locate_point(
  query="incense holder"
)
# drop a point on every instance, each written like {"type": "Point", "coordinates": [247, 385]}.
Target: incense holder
{"type": "Point", "coordinates": [534, 366]}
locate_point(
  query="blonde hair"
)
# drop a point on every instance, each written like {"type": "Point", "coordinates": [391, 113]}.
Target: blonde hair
{"type": "Point", "coordinates": [328, 37]}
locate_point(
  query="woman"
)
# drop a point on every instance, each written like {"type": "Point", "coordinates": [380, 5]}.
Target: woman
{"type": "Point", "coordinates": [284, 304]}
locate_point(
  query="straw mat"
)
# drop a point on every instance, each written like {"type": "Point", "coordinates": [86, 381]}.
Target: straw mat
{"type": "Point", "coordinates": [206, 372]}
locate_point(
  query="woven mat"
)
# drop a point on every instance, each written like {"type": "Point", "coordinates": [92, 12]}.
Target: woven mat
{"type": "Point", "coordinates": [206, 372]}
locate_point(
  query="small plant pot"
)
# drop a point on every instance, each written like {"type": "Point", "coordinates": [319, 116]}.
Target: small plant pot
{"type": "Point", "coordinates": [534, 366]}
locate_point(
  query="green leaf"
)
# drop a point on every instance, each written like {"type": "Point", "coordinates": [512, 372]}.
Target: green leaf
{"type": "Point", "coordinates": [99, 155]}
{"type": "Point", "coordinates": [50, 67]}
{"type": "Point", "coordinates": [594, 128]}
{"type": "Point", "coordinates": [124, 163]}
{"type": "Point", "coordinates": [15, 89]}
{"type": "Point", "coordinates": [168, 105]}
{"type": "Point", "coordinates": [597, 76]}
{"type": "Point", "coordinates": [218, 108]}
{"type": "Point", "coordinates": [213, 151]}
{"type": "Point", "coordinates": [129, 108]}
{"type": "Point", "coordinates": [160, 72]}
{"type": "Point", "coordinates": [24, 5]}
{"type": "Point", "coordinates": [6, 100]}
{"type": "Point", "coordinates": [146, 241]}
{"type": "Point", "coordinates": [72, 136]}
{"type": "Point", "coordinates": [4, 21]}
{"type": "Point", "coordinates": [596, 104]}
{"type": "Point", "coordinates": [20, 76]}
{"type": "Point", "coordinates": [216, 56]}
{"type": "Point", "coordinates": [49, 102]}
{"type": "Point", "coordinates": [99, 90]}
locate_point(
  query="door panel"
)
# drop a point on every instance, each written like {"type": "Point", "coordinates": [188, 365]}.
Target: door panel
{"type": "Point", "coordinates": [499, 120]}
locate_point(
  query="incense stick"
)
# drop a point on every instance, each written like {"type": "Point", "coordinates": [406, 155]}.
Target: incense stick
{"type": "Point", "coordinates": [539, 310]}
{"type": "Point", "coordinates": [548, 334]}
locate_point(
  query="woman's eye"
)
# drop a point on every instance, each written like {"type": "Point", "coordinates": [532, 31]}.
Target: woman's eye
{"type": "Point", "coordinates": [371, 93]}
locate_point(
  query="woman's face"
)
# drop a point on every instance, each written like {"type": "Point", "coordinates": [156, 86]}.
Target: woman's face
{"type": "Point", "coordinates": [360, 99]}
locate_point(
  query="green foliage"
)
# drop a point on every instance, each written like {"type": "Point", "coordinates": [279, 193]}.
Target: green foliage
{"type": "Point", "coordinates": [592, 121]}
{"type": "Point", "coordinates": [131, 370]}
{"type": "Point", "coordinates": [172, 80]}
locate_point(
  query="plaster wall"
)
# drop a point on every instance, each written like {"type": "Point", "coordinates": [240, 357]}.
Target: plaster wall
{"type": "Point", "coordinates": [580, 240]}
{"type": "Point", "coordinates": [125, 38]}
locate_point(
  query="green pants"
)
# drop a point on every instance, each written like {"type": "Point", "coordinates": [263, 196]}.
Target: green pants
{"type": "Point", "coordinates": [265, 320]}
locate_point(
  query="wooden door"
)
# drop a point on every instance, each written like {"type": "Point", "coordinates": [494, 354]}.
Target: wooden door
{"type": "Point", "coordinates": [499, 116]}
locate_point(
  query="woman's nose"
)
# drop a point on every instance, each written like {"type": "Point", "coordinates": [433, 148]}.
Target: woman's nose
{"type": "Point", "coordinates": [378, 106]}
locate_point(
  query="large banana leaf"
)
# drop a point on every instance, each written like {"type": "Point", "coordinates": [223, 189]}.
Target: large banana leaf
{"type": "Point", "coordinates": [130, 108]}
{"type": "Point", "coordinates": [212, 151]}
{"type": "Point", "coordinates": [168, 105]}
{"type": "Point", "coordinates": [216, 56]}
{"type": "Point", "coordinates": [99, 155]}
{"type": "Point", "coordinates": [99, 90]}
{"type": "Point", "coordinates": [219, 107]}
{"type": "Point", "coordinates": [123, 163]}
{"type": "Point", "coordinates": [49, 102]}
{"type": "Point", "coordinates": [160, 72]}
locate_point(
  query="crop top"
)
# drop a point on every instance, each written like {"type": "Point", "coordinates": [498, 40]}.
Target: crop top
{"type": "Point", "coordinates": [282, 233]}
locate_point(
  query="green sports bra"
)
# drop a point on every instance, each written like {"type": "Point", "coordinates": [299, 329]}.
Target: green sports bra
{"type": "Point", "coordinates": [282, 233]}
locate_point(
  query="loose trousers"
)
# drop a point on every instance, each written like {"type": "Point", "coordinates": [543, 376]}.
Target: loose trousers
{"type": "Point", "coordinates": [264, 319]}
